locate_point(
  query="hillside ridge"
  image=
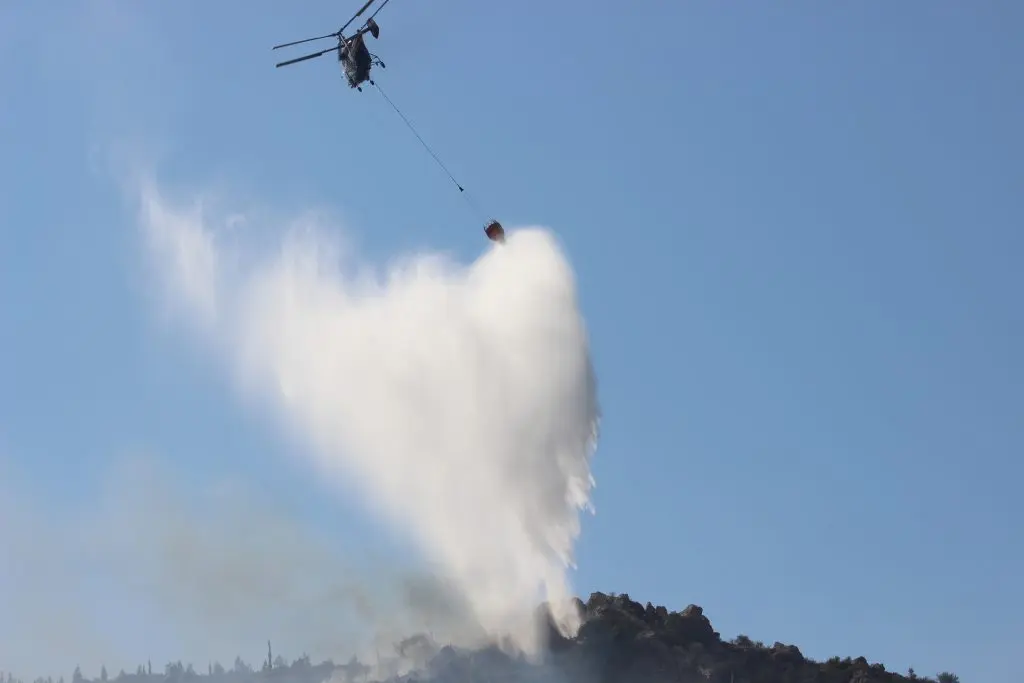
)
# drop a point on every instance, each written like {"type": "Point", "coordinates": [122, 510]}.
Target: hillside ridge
{"type": "Point", "coordinates": [620, 641]}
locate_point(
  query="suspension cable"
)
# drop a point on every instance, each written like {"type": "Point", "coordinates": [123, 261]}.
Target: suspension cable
{"type": "Point", "coordinates": [440, 163]}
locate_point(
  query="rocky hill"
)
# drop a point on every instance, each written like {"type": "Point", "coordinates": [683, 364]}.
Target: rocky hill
{"type": "Point", "coordinates": [621, 641]}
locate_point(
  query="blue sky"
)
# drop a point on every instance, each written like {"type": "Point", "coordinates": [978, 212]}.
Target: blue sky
{"type": "Point", "coordinates": [796, 232]}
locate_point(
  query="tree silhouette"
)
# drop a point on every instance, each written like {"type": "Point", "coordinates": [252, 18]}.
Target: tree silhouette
{"type": "Point", "coordinates": [622, 640]}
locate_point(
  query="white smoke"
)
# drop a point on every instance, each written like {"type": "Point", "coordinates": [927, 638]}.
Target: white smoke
{"type": "Point", "coordinates": [459, 399]}
{"type": "Point", "coordinates": [158, 567]}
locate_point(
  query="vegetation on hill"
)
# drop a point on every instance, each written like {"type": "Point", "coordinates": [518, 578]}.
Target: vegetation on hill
{"type": "Point", "coordinates": [621, 641]}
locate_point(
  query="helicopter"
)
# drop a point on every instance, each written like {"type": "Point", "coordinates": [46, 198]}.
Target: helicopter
{"type": "Point", "coordinates": [356, 60]}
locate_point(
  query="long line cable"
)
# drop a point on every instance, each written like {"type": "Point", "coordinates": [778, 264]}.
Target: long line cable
{"type": "Point", "coordinates": [423, 142]}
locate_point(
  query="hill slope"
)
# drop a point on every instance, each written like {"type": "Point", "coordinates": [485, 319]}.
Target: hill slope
{"type": "Point", "coordinates": [621, 641]}
{"type": "Point", "coordinates": [624, 641]}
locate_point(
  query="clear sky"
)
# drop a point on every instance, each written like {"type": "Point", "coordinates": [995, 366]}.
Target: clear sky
{"type": "Point", "coordinates": [796, 229]}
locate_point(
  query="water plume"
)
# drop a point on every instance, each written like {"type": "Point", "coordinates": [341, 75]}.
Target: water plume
{"type": "Point", "coordinates": [458, 399]}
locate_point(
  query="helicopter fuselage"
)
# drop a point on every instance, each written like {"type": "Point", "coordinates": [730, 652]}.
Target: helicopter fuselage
{"type": "Point", "coordinates": [355, 60]}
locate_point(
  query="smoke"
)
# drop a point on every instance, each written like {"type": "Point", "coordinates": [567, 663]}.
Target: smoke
{"type": "Point", "coordinates": [458, 400]}
{"type": "Point", "coordinates": [155, 567]}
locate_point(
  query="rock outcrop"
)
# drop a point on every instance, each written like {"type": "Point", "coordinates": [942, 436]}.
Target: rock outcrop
{"type": "Point", "coordinates": [623, 641]}
{"type": "Point", "coordinates": [620, 641]}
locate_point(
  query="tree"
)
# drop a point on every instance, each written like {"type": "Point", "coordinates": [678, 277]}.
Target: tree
{"type": "Point", "coordinates": [743, 641]}
{"type": "Point", "coordinates": [947, 677]}
{"type": "Point", "coordinates": [174, 671]}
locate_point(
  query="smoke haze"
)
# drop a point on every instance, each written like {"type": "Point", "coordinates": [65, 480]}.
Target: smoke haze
{"type": "Point", "coordinates": [457, 400]}
{"type": "Point", "coordinates": [156, 568]}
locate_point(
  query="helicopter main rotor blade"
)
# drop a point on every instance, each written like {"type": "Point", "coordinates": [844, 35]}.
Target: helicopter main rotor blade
{"type": "Point", "coordinates": [376, 11]}
{"type": "Point", "coordinates": [355, 16]}
{"type": "Point", "coordinates": [340, 31]}
{"type": "Point", "coordinates": [302, 59]}
{"type": "Point", "coordinates": [306, 40]}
